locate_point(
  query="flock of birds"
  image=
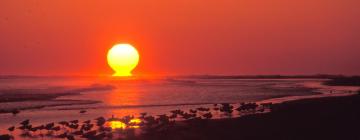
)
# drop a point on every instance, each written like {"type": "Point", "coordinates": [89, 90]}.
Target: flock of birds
{"type": "Point", "coordinates": [100, 128]}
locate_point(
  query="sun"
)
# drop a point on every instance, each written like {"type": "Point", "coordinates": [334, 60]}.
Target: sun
{"type": "Point", "coordinates": [123, 58]}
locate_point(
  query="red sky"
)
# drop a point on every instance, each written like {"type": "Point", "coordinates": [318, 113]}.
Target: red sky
{"type": "Point", "coordinates": [71, 37]}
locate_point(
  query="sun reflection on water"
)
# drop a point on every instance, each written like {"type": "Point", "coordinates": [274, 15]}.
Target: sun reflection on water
{"type": "Point", "coordinates": [133, 123]}
{"type": "Point", "coordinates": [117, 125]}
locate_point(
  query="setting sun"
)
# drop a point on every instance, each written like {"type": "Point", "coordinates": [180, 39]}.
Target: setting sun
{"type": "Point", "coordinates": [123, 58]}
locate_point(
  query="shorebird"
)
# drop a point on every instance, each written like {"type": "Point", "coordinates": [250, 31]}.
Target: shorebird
{"type": "Point", "coordinates": [87, 127]}
{"type": "Point", "coordinates": [173, 116]}
{"type": "Point", "coordinates": [11, 129]}
{"type": "Point", "coordinates": [22, 127]}
{"type": "Point", "coordinates": [100, 121]}
{"type": "Point", "coordinates": [102, 129]}
{"type": "Point", "coordinates": [79, 132]}
{"type": "Point", "coordinates": [70, 137]}
{"type": "Point", "coordinates": [82, 111]}
{"type": "Point", "coordinates": [33, 129]}
{"type": "Point", "coordinates": [49, 126]}
{"type": "Point", "coordinates": [188, 116]}
{"type": "Point", "coordinates": [208, 115]}
{"type": "Point", "coordinates": [74, 121]}
{"type": "Point", "coordinates": [142, 115]}
{"type": "Point", "coordinates": [41, 127]}
{"type": "Point", "coordinates": [64, 123]}
{"type": "Point", "coordinates": [267, 105]}
{"type": "Point", "coordinates": [100, 136]}
{"type": "Point", "coordinates": [89, 134]}
{"type": "Point", "coordinates": [203, 109]}
{"type": "Point", "coordinates": [192, 111]}
{"type": "Point", "coordinates": [164, 119]}
{"type": "Point", "coordinates": [150, 120]}
{"type": "Point", "coordinates": [25, 122]}
{"type": "Point", "coordinates": [63, 135]}
{"type": "Point", "coordinates": [57, 128]}
{"type": "Point", "coordinates": [87, 122]}
{"type": "Point", "coordinates": [227, 108]}
{"type": "Point", "coordinates": [15, 112]}
{"type": "Point", "coordinates": [178, 112]}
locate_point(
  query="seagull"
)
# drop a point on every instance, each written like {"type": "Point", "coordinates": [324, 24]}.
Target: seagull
{"type": "Point", "coordinates": [87, 122]}
{"type": "Point", "coordinates": [74, 121]}
{"type": "Point", "coordinates": [15, 112]}
{"type": "Point", "coordinates": [208, 115]}
{"type": "Point", "coordinates": [26, 122]}
{"type": "Point", "coordinates": [12, 128]}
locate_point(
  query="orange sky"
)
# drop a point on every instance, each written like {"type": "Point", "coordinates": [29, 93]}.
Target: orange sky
{"type": "Point", "coordinates": [71, 37]}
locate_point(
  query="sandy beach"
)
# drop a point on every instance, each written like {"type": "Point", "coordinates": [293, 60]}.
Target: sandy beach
{"type": "Point", "coordinates": [60, 114]}
{"type": "Point", "coordinates": [320, 118]}
{"type": "Point", "coordinates": [331, 118]}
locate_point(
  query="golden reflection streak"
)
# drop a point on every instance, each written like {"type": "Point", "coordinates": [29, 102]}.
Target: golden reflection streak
{"type": "Point", "coordinates": [134, 123]}
{"type": "Point", "coordinates": [117, 125]}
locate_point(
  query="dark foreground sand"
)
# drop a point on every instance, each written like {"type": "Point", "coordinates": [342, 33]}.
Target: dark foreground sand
{"type": "Point", "coordinates": [332, 118]}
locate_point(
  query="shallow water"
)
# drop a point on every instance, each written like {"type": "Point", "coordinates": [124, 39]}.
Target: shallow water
{"type": "Point", "coordinates": [120, 97]}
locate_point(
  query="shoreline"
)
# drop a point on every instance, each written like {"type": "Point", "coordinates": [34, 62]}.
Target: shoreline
{"type": "Point", "coordinates": [66, 102]}
{"type": "Point", "coordinates": [272, 124]}
{"type": "Point", "coordinates": [331, 118]}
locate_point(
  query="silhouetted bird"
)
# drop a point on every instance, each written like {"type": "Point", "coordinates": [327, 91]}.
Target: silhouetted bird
{"type": "Point", "coordinates": [80, 132]}
{"type": "Point", "coordinates": [82, 111]}
{"type": "Point", "coordinates": [142, 115]}
{"type": "Point", "coordinates": [227, 108]}
{"type": "Point", "coordinates": [49, 126]}
{"type": "Point", "coordinates": [64, 123]}
{"type": "Point", "coordinates": [57, 128]}
{"type": "Point", "coordinates": [74, 121]}
{"type": "Point", "coordinates": [15, 112]}
{"type": "Point", "coordinates": [89, 134]}
{"type": "Point", "coordinates": [188, 116]}
{"type": "Point", "coordinates": [203, 109]}
{"type": "Point", "coordinates": [173, 116]}
{"type": "Point", "coordinates": [163, 119]}
{"type": "Point", "coordinates": [23, 127]}
{"type": "Point", "coordinates": [41, 127]}
{"type": "Point", "coordinates": [70, 137]}
{"type": "Point", "coordinates": [11, 129]}
{"type": "Point", "coordinates": [63, 135]}
{"type": "Point", "coordinates": [150, 120]}
{"type": "Point", "coordinates": [26, 122]}
{"type": "Point", "coordinates": [33, 129]}
{"type": "Point", "coordinates": [192, 111]}
{"type": "Point", "coordinates": [208, 115]}
{"type": "Point", "coordinates": [74, 126]}
{"type": "Point", "coordinates": [87, 127]}
{"type": "Point", "coordinates": [100, 121]}
{"type": "Point", "coordinates": [87, 122]}
{"type": "Point", "coordinates": [108, 129]}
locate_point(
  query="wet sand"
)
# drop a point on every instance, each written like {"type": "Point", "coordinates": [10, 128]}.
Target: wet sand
{"type": "Point", "coordinates": [330, 118]}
